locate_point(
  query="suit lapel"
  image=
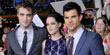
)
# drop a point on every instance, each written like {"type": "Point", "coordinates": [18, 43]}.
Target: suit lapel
{"type": "Point", "coordinates": [35, 40]}
{"type": "Point", "coordinates": [81, 42]}
{"type": "Point", "coordinates": [16, 41]}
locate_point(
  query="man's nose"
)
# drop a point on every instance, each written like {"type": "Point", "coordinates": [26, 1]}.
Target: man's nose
{"type": "Point", "coordinates": [70, 20]}
{"type": "Point", "coordinates": [25, 17]}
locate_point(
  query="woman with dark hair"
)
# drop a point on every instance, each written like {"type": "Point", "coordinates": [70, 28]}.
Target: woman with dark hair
{"type": "Point", "coordinates": [56, 44]}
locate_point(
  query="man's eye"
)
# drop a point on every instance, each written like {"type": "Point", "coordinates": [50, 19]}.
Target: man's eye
{"type": "Point", "coordinates": [47, 24]}
{"type": "Point", "coordinates": [21, 14]}
{"type": "Point", "coordinates": [66, 18]}
{"type": "Point", "coordinates": [29, 15]}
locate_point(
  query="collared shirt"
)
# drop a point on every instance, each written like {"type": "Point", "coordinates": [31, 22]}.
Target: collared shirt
{"type": "Point", "coordinates": [76, 37]}
{"type": "Point", "coordinates": [20, 36]}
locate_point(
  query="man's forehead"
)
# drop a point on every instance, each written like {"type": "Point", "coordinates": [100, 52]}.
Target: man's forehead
{"type": "Point", "coordinates": [29, 9]}
{"type": "Point", "coordinates": [24, 10]}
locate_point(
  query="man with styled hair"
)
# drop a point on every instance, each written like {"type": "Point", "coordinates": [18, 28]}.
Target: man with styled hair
{"type": "Point", "coordinates": [81, 42]}
{"type": "Point", "coordinates": [26, 39]}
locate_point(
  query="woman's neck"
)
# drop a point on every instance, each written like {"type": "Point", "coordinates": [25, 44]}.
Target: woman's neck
{"type": "Point", "coordinates": [101, 33]}
{"type": "Point", "coordinates": [56, 36]}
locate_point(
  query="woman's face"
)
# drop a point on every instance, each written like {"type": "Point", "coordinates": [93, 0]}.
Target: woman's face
{"type": "Point", "coordinates": [5, 30]}
{"type": "Point", "coordinates": [52, 25]}
{"type": "Point", "coordinates": [100, 26]}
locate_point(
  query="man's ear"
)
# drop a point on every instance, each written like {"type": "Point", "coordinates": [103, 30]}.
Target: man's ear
{"type": "Point", "coordinates": [81, 16]}
{"type": "Point", "coordinates": [17, 14]}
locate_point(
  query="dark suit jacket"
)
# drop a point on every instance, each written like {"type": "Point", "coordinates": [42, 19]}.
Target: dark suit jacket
{"type": "Point", "coordinates": [36, 49]}
{"type": "Point", "coordinates": [89, 44]}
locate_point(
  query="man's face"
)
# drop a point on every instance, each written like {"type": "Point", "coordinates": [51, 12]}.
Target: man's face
{"type": "Point", "coordinates": [25, 17]}
{"type": "Point", "coordinates": [72, 20]}
{"type": "Point", "coordinates": [0, 22]}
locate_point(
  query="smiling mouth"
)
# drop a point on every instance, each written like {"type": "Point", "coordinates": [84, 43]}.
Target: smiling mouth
{"type": "Point", "coordinates": [71, 24]}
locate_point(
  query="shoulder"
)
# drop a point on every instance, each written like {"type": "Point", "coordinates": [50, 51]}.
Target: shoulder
{"type": "Point", "coordinates": [13, 31]}
{"type": "Point", "coordinates": [10, 33]}
{"type": "Point", "coordinates": [43, 44]}
{"type": "Point", "coordinates": [94, 37]}
{"type": "Point", "coordinates": [91, 35]}
{"type": "Point", "coordinates": [39, 28]}
{"type": "Point", "coordinates": [40, 31]}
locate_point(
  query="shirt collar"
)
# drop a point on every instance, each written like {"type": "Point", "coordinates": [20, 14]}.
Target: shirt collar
{"type": "Point", "coordinates": [29, 30]}
{"type": "Point", "coordinates": [78, 33]}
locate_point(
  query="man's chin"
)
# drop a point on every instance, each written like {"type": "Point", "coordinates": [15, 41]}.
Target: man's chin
{"type": "Point", "coordinates": [71, 29]}
{"type": "Point", "coordinates": [26, 26]}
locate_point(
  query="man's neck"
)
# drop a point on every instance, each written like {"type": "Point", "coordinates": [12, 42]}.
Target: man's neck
{"type": "Point", "coordinates": [74, 31]}
{"type": "Point", "coordinates": [25, 28]}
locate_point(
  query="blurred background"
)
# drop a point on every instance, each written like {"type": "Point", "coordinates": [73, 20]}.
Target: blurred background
{"type": "Point", "coordinates": [42, 7]}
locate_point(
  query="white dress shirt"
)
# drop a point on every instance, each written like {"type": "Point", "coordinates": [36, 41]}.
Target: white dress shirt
{"type": "Point", "coordinates": [20, 36]}
{"type": "Point", "coordinates": [76, 37]}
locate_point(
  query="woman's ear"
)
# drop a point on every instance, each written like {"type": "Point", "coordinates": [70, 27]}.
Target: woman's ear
{"type": "Point", "coordinates": [59, 24]}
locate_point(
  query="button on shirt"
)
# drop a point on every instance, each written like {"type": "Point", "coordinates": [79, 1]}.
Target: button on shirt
{"type": "Point", "coordinates": [76, 37]}
{"type": "Point", "coordinates": [20, 36]}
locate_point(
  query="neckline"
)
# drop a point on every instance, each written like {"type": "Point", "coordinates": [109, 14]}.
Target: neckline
{"type": "Point", "coordinates": [58, 39]}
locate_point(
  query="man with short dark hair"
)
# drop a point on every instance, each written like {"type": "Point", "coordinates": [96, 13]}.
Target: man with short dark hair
{"type": "Point", "coordinates": [82, 42]}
